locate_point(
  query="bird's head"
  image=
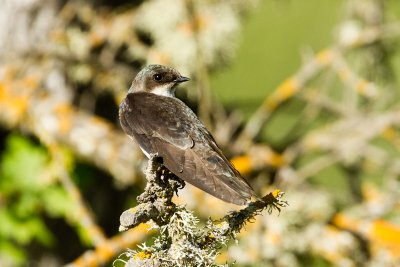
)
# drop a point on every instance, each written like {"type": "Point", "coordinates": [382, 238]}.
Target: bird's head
{"type": "Point", "coordinates": [157, 79]}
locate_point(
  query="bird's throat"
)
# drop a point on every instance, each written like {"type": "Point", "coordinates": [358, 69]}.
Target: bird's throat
{"type": "Point", "coordinates": [164, 90]}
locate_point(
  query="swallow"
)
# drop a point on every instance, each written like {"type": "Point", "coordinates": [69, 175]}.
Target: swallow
{"type": "Point", "coordinates": [163, 125]}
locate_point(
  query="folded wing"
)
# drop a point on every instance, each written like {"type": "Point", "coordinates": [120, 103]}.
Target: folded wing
{"type": "Point", "coordinates": [166, 126]}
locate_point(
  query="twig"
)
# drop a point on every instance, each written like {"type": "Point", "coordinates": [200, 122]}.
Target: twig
{"type": "Point", "coordinates": [359, 85]}
{"type": "Point", "coordinates": [284, 91]}
{"type": "Point", "coordinates": [293, 84]}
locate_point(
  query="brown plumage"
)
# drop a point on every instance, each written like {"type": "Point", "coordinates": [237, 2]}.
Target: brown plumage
{"type": "Point", "coordinates": [163, 124]}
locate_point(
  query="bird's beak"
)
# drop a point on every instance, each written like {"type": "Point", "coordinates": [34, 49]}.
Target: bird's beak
{"type": "Point", "coordinates": [181, 79]}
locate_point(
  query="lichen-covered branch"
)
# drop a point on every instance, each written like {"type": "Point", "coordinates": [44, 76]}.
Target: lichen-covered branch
{"type": "Point", "coordinates": [55, 121]}
{"type": "Point", "coordinates": [182, 241]}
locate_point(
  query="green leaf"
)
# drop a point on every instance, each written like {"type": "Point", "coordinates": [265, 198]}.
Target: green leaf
{"type": "Point", "coordinates": [22, 165]}
{"type": "Point", "coordinates": [23, 231]}
{"type": "Point", "coordinates": [39, 229]}
{"type": "Point", "coordinates": [27, 205]}
{"type": "Point", "coordinates": [56, 202]}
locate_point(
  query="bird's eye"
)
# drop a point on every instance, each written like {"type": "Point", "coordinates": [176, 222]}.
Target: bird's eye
{"type": "Point", "coordinates": [157, 77]}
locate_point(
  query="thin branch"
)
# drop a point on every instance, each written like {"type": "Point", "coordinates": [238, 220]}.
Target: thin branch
{"type": "Point", "coordinates": [283, 92]}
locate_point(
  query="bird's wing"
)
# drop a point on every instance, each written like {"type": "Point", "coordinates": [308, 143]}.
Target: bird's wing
{"type": "Point", "coordinates": [154, 116]}
{"type": "Point", "coordinates": [168, 127]}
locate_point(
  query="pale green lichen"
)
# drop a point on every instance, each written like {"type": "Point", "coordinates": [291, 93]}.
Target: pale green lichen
{"type": "Point", "coordinates": [182, 240]}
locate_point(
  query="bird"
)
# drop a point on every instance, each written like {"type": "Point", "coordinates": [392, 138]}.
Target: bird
{"type": "Point", "coordinates": [165, 126]}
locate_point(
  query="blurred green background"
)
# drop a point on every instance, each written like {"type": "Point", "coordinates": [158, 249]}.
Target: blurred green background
{"type": "Point", "coordinates": [271, 45]}
{"type": "Point", "coordinates": [275, 37]}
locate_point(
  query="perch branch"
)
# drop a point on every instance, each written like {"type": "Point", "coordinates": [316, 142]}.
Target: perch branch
{"type": "Point", "coordinates": [181, 242]}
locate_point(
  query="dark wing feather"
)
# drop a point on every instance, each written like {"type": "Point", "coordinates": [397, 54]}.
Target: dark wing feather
{"type": "Point", "coordinates": [166, 126]}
